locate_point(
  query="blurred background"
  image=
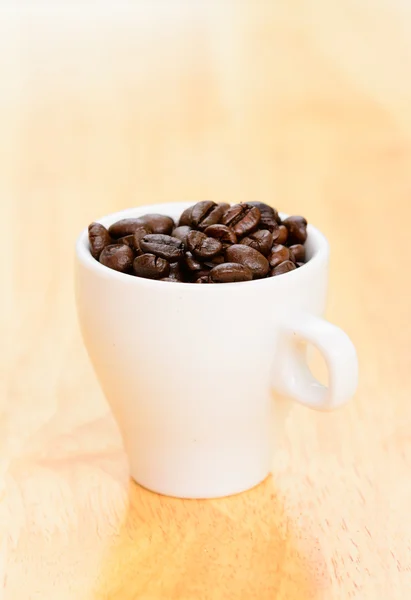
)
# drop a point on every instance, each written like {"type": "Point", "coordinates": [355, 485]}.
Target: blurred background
{"type": "Point", "coordinates": [302, 104]}
{"type": "Point", "coordinates": [155, 101]}
{"type": "Point", "coordinates": [103, 105]}
{"type": "Point", "coordinates": [107, 104]}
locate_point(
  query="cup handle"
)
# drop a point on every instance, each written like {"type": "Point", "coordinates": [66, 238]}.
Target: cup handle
{"type": "Point", "coordinates": [293, 378]}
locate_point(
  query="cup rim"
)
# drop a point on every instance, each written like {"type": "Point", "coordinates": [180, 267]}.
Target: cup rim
{"type": "Point", "coordinates": [83, 254]}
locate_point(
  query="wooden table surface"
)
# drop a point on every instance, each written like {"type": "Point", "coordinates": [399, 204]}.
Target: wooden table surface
{"type": "Point", "coordinates": [304, 105]}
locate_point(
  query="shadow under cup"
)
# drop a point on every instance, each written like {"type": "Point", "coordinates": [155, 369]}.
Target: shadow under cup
{"type": "Point", "coordinates": [189, 370]}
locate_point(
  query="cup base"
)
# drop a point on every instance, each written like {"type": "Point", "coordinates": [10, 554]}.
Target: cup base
{"type": "Point", "coordinates": [199, 492]}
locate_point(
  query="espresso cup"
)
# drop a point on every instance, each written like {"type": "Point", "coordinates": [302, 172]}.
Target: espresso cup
{"type": "Point", "coordinates": [189, 370]}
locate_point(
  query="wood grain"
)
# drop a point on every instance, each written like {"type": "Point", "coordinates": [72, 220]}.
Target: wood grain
{"type": "Point", "coordinates": [306, 105]}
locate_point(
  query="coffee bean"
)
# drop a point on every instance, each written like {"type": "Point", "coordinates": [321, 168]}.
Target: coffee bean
{"type": "Point", "coordinates": [181, 233]}
{"type": "Point", "coordinates": [297, 253]}
{"type": "Point", "coordinates": [260, 240]}
{"type": "Point", "coordinates": [191, 263]}
{"type": "Point", "coordinates": [185, 218]}
{"type": "Point", "coordinates": [282, 268]}
{"type": "Point", "coordinates": [150, 266]}
{"type": "Point", "coordinates": [201, 246]}
{"type": "Point", "coordinates": [200, 274]}
{"type": "Point", "coordinates": [230, 272]}
{"type": "Point", "coordinates": [138, 236]}
{"type": "Point", "coordinates": [125, 227]}
{"type": "Point", "coordinates": [202, 215]}
{"type": "Point", "coordinates": [280, 235]}
{"type": "Point", "coordinates": [193, 215]}
{"type": "Point", "coordinates": [297, 230]}
{"type": "Point", "coordinates": [199, 212]}
{"type": "Point", "coordinates": [157, 224]}
{"type": "Point", "coordinates": [212, 217]}
{"type": "Point", "coordinates": [222, 233]}
{"type": "Point", "coordinates": [216, 260]}
{"type": "Point", "coordinates": [118, 257]}
{"type": "Point", "coordinates": [176, 272]}
{"type": "Point", "coordinates": [128, 240]}
{"type": "Point", "coordinates": [99, 238]}
{"type": "Point", "coordinates": [241, 218]}
{"type": "Point", "coordinates": [249, 236]}
{"type": "Point", "coordinates": [278, 254]}
{"type": "Point", "coordinates": [249, 257]}
{"type": "Point", "coordinates": [134, 240]}
{"type": "Point", "coordinates": [269, 216]}
{"type": "Point", "coordinates": [164, 246]}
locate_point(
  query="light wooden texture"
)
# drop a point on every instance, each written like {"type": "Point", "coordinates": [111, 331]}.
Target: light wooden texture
{"type": "Point", "coordinates": [306, 105]}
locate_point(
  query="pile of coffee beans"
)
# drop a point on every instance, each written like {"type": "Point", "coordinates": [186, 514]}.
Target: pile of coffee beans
{"type": "Point", "coordinates": [211, 243]}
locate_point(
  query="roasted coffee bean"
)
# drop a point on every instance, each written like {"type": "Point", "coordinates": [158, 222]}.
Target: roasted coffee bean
{"type": "Point", "coordinates": [164, 246]}
{"type": "Point", "coordinates": [125, 227]}
{"type": "Point", "coordinates": [191, 263]}
{"type": "Point", "coordinates": [134, 240]}
{"type": "Point", "coordinates": [217, 260]}
{"type": "Point", "coordinates": [260, 240]}
{"type": "Point", "coordinates": [297, 253]}
{"type": "Point", "coordinates": [283, 267]}
{"type": "Point", "coordinates": [181, 233]}
{"type": "Point", "coordinates": [118, 257]}
{"type": "Point", "coordinates": [297, 230]}
{"type": "Point", "coordinates": [280, 235]}
{"type": "Point", "coordinates": [278, 254]}
{"type": "Point", "coordinates": [249, 257]}
{"type": "Point", "coordinates": [270, 218]}
{"type": "Point", "coordinates": [200, 211]}
{"type": "Point", "coordinates": [99, 238]}
{"type": "Point", "coordinates": [150, 266]}
{"type": "Point", "coordinates": [222, 233]}
{"type": "Point", "coordinates": [128, 240]}
{"type": "Point", "coordinates": [203, 247]}
{"type": "Point", "coordinates": [157, 224]}
{"type": "Point", "coordinates": [185, 218]}
{"type": "Point", "coordinates": [193, 215]}
{"type": "Point", "coordinates": [230, 272]}
{"type": "Point", "coordinates": [139, 234]}
{"type": "Point", "coordinates": [212, 217]}
{"type": "Point", "coordinates": [241, 218]}
{"type": "Point", "coordinates": [249, 237]}
{"type": "Point", "coordinates": [202, 215]}
{"type": "Point", "coordinates": [176, 272]}
{"type": "Point", "coordinates": [199, 274]}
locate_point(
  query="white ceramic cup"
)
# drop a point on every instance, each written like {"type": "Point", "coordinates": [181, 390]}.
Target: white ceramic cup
{"type": "Point", "coordinates": [189, 369]}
